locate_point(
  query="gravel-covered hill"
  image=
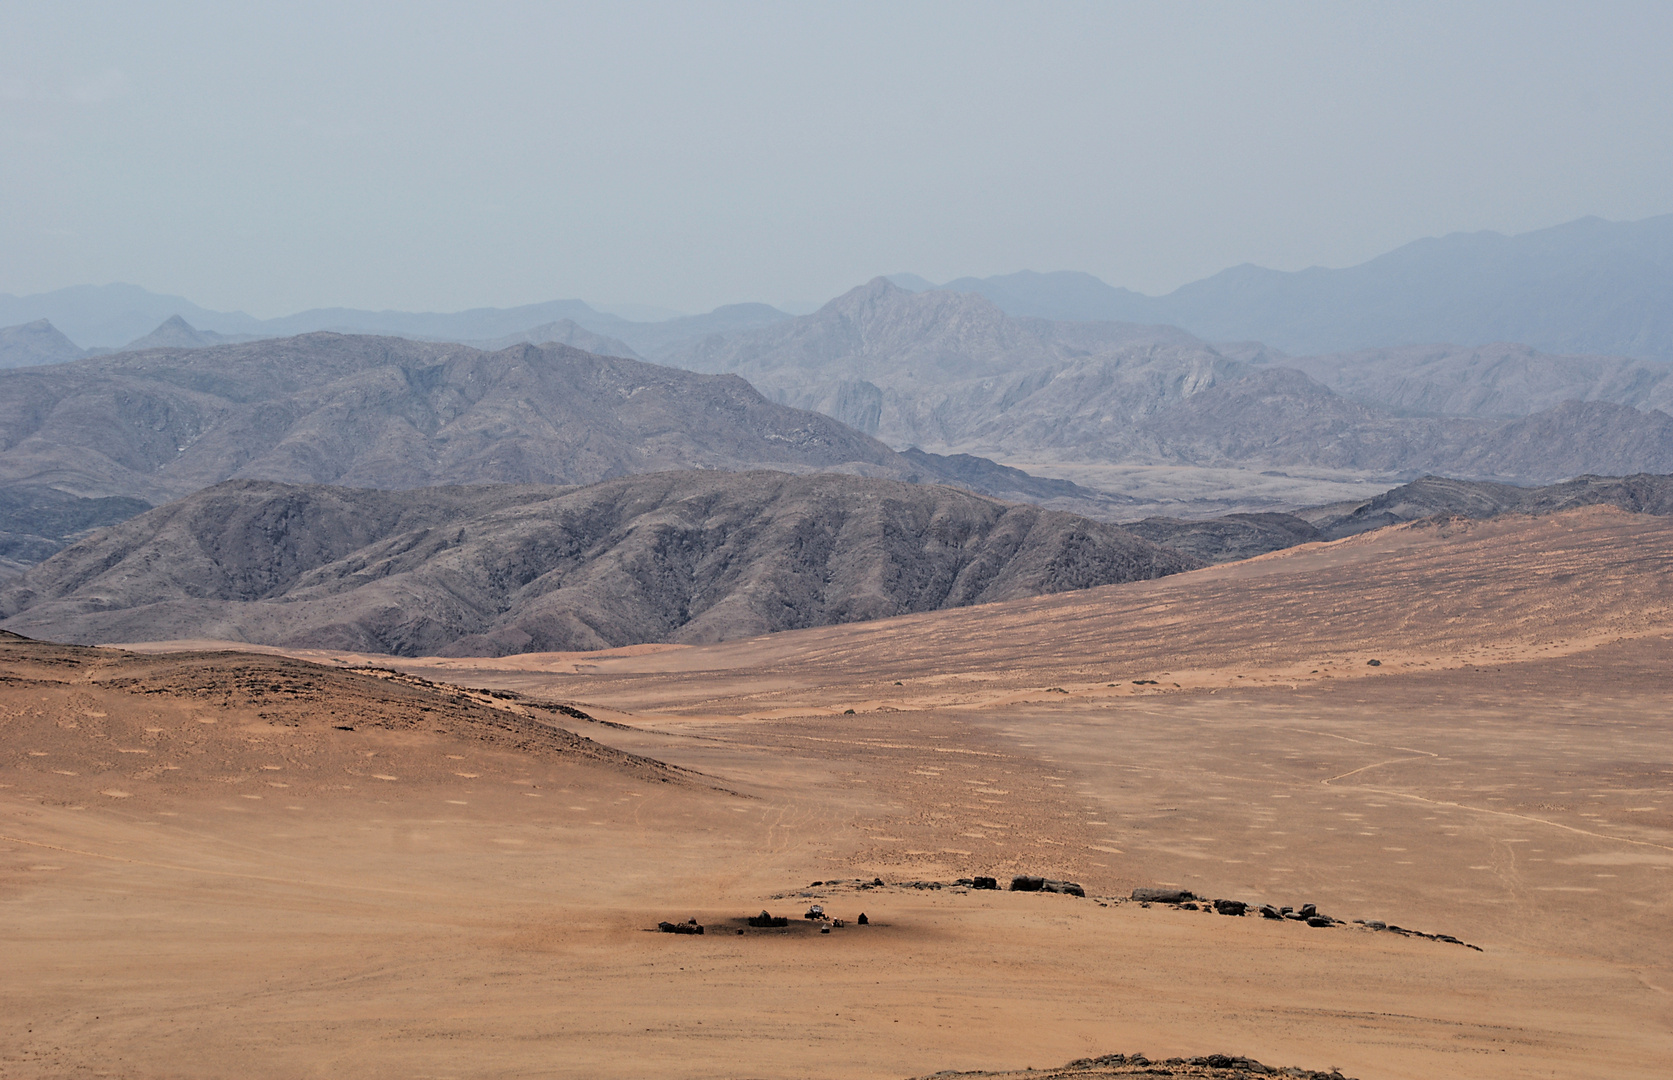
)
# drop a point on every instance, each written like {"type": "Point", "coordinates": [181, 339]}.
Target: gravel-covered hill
{"type": "Point", "coordinates": [686, 557]}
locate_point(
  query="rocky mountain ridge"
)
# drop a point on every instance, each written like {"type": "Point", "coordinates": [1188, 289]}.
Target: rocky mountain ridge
{"type": "Point", "coordinates": [952, 372]}
{"type": "Point", "coordinates": [687, 556]}
{"type": "Point", "coordinates": [147, 427]}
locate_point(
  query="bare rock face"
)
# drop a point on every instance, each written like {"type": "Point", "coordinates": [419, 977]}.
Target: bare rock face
{"type": "Point", "coordinates": [693, 556]}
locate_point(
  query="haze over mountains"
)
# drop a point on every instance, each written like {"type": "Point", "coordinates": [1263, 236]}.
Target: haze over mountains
{"type": "Point", "coordinates": [1589, 286]}
{"type": "Point", "coordinates": [952, 372]}
{"type": "Point", "coordinates": [121, 316]}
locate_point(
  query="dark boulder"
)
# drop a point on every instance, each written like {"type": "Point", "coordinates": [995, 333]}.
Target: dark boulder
{"type": "Point", "coordinates": [1068, 888]}
{"type": "Point", "coordinates": [766, 920]}
{"type": "Point", "coordinates": [1025, 883]}
{"type": "Point", "coordinates": [980, 882]}
{"type": "Point", "coordinates": [1270, 912]}
{"type": "Point", "coordinates": [862, 920]}
{"type": "Point", "coordinates": [1321, 920]}
{"type": "Point", "coordinates": [692, 927]}
{"type": "Point", "coordinates": [1230, 907]}
{"type": "Point", "coordinates": [1163, 896]}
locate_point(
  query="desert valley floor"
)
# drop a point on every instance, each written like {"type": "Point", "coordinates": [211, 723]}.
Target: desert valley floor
{"type": "Point", "coordinates": [257, 864]}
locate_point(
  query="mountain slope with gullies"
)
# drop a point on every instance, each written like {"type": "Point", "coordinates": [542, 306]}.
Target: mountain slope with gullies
{"type": "Point", "coordinates": [685, 557]}
{"type": "Point", "coordinates": [392, 413]}
{"type": "Point", "coordinates": [950, 371]}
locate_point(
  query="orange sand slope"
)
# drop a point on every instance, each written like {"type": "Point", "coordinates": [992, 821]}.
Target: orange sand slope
{"type": "Point", "coordinates": [454, 888]}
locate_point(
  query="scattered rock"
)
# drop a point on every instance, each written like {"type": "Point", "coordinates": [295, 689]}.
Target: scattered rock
{"type": "Point", "coordinates": [1187, 906]}
{"type": "Point", "coordinates": [691, 927]}
{"type": "Point", "coordinates": [1373, 663]}
{"type": "Point", "coordinates": [815, 912]}
{"type": "Point", "coordinates": [1230, 907]}
{"type": "Point", "coordinates": [767, 920]}
{"type": "Point", "coordinates": [1207, 1067]}
{"type": "Point", "coordinates": [1270, 912]}
{"type": "Point", "coordinates": [1162, 896]}
{"type": "Point", "coordinates": [1320, 920]}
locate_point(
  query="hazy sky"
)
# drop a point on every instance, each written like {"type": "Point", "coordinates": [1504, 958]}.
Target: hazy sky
{"type": "Point", "coordinates": [440, 156]}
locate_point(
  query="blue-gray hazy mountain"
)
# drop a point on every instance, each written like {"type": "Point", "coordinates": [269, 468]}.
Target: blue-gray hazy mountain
{"type": "Point", "coordinates": [177, 333]}
{"type": "Point", "coordinates": [1497, 380]}
{"type": "Point", "coordinates": [1590, 286]}
{"type": "Point", "coordinates": [37, 342]}
{"type": "Point", "coordinates": [563, 332]}
{"type": "Point", "coordinates": [114, 316]}
{"type": "Point", "coordinates": [110, 316]}
{"type": "Point", "coordinates": [952, 372]}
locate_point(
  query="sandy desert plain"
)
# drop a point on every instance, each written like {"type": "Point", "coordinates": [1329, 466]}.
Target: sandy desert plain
{"type": "Point", "coordinates": [203, 874]}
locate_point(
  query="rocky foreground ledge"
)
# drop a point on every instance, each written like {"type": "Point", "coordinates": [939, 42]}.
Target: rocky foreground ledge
{"type": "Point", "coordinates": [1212, 1067]}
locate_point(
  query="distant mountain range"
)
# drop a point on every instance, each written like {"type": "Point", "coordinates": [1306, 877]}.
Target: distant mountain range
{"type": "Point", "coordinates": [123, 316]}
{"type": "Point", "coordinates": [1590, 286]}
{"type": "Point", "coordinates": [150, 426]}
{"type": "Point", "coordinates": [952, 372]}
{"type": "Point", "coordinates": [688, 556]}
